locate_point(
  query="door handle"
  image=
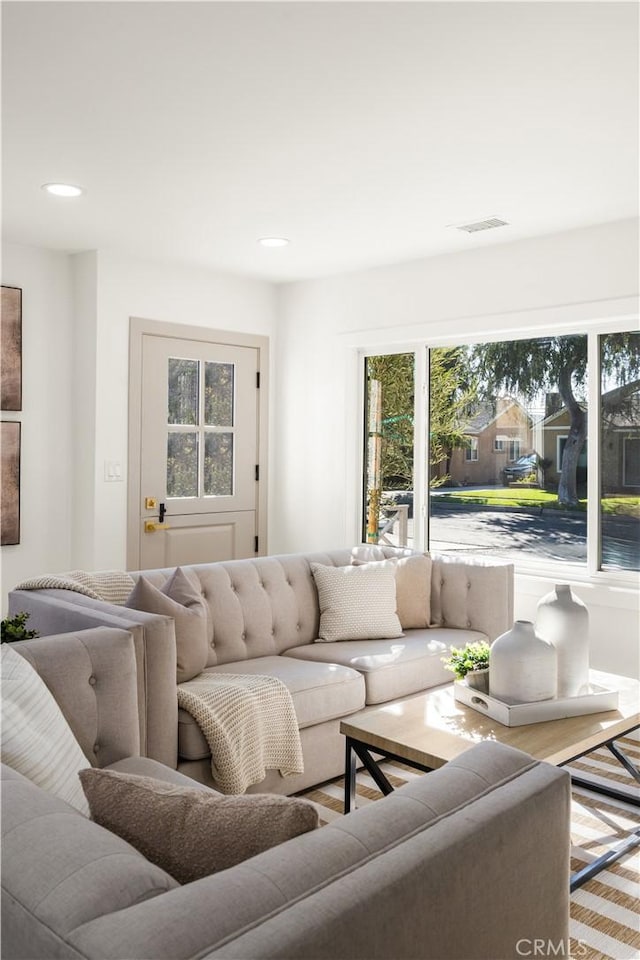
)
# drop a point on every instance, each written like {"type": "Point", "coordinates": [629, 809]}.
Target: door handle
{"type": "Point", "coordinates": [150, 526]}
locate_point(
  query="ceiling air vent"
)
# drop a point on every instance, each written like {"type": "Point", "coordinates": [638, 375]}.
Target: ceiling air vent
{"type": "Point", "coordinates": [482, 225]}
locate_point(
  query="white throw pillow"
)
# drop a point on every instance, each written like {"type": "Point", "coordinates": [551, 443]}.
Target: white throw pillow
{"type": "Point", "coordinates": [36, 739]}
{"type": "Point", "coordinates": [413, 587]}
{"type": "Point", "coordinates": [356, 603]}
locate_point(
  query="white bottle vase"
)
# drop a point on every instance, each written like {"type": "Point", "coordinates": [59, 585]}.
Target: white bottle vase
{"type": "Point", "coordinates": [563, 620]}
{"type": "Point", "coordinates": [523, 668]}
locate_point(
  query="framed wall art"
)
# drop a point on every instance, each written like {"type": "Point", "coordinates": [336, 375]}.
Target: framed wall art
{"type": "Point", "coordinates": [10, 494]}
{"type": "Point", "coordinates": [11, 337]}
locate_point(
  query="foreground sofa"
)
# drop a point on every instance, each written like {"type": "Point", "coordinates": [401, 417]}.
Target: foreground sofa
{"type": "Point", "coordinates": [471, 861]}
{"type": "Point", "coordinates": [263, 618]}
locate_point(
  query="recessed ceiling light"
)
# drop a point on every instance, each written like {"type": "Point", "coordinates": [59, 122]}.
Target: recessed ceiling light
{"type": "Point", "coordinates": [273, 241]}
{"type": "Point", "coordinates": [62, 189]}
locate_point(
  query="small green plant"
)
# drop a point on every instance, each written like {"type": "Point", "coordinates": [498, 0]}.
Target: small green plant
{"type": "Point", "coordinates": [474, 656]}
{"type": "Point", "coordinates": [15, 628]}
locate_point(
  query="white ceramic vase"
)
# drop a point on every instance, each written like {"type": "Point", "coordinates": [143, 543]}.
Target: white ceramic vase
{"type": "Point", "coordinates": [523, 668]}
{"type": "Point", "coordinates": [563, 620]}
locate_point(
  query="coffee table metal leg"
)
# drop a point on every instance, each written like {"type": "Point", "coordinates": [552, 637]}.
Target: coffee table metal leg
{"type": "Point", "coordinates": [622, 758]}
{"type": "Point", "coordinates": [601, 863]}
{"type": "Point", "coordinates": [356, 750]}
{"type": "Point", "coordinates": [632, 841]}
{"type": "Point", "coordinates": [349, 777]}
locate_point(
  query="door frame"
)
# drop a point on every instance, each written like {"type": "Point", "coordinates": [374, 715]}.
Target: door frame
{"type": "Point", "coordinates": [138, 328]}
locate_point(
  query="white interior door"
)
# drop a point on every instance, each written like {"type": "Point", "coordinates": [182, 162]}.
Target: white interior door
{"type": "Point", "coordinates": [199, 451]}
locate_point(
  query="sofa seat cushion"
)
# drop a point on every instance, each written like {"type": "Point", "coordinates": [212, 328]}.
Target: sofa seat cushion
{"type": "Point", "coordinates": [320, 692]}
{"type": "Point", "coordinates": [146, 767]}
{"type": "Point", "coordinates": [393, 668]}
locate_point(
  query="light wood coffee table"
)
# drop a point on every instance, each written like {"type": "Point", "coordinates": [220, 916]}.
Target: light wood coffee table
{"type": "Point", "coordinates": [428, 730]}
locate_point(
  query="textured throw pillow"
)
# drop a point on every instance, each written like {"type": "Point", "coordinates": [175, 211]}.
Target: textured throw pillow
{"type": "Point", "coordinates": [179, 599]}
{"type": "Point", "coordinates": [413, 587]}
{"type": "Point", "coordinates": [356, 603]}
{"type": "Point", "coordinates": [192, 833]}
{"type": "Point", "coordinates": [36, 739]}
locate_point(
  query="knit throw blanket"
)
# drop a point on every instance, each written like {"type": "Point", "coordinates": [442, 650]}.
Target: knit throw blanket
{"type": "Point", "coordinates": [249, 723]}
{"type": "Point", "coordinates": [113, 586]}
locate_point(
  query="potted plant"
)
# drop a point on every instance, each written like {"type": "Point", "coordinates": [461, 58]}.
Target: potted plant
{"type": "Point", "coordinates": [15, 628]}
{"type": "Point", "coordinates": [471, 664]}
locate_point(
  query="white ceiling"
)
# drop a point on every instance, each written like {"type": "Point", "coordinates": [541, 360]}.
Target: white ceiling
{"type": "Point", "coordinates": [361, 131]}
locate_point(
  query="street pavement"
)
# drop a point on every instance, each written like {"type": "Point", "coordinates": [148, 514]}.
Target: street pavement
{"type": "Point", "coordinates": [540, 534]}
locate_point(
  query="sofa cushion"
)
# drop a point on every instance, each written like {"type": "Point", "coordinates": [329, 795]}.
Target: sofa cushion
{"type": "Point", "coordinates": [189, 832]}
{"type": "Point", "coordinates": [36, 739]}
{"type": "Point", "coordinates": [356, 603]}
{"type": "Point", "coordinates": [413, 587]}
{"type": "Point", "coordinates": [178, 598]}
{"type": "Point", "coordinates": [393, 668]}
{"type": "Point", "coordinates": [320, 692]}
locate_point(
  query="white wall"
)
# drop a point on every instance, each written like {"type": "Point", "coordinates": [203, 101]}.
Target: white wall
{"type": "Point", "coordinates": [76, 312]}
{"type": "Point", "coordinates": [75, 331]}
{"type": "Point", "coordinates": [47, 443]}
{"type": "Point", "coordinates": [560, 282]}
{"type": "Point", "coordinates": [155, 291]}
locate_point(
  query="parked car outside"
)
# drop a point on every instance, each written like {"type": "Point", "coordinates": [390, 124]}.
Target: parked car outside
{"type": "Point", "coordinates": [522, 467]}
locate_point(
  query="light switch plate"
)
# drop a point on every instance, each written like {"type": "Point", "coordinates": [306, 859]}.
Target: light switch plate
{"type": "Point", "coordinates": [113, 471]}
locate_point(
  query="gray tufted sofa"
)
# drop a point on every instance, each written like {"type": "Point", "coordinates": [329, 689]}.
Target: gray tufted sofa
{"type": "Point", "coordinates": [263, 619]}
{"type": "Point", "coordinates": [425, 873]}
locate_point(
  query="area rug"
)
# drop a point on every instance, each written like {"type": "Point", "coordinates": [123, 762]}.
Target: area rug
{"type": "Point", "coordinates": [605, 911]}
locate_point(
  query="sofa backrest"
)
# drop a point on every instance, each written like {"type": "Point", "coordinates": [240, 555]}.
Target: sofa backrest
{"type": "Point", "coordinates": [263, 606]}
{"type": "Point", "coordinates": [92, 677]}
{"type": "Point", "coordinates": [257, 607]}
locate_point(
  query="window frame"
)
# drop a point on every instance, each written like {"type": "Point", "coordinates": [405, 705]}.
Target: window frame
{"type": "Point", "coordinates": [515, 444]}
{"type": "Point", "coordinates": [626, 440]}
{"type": "Point", "coordinates": [438, 335]}
{"type": "Point", "coordinates": [472, 448]}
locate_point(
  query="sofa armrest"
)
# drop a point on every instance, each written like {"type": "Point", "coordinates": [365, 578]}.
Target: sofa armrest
{"type": "Point", "coordinates": [474, 593]}
{"type": "Point", "coordinates": [426, 873]}
{"type": "Point", "coordinates": [93, 678]}
{"type": "Point", "coordinates": [62, 611]}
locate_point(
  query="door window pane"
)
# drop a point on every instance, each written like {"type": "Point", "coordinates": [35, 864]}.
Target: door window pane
{"type": "Point", "coordinates": [620, 452]}
{"type": "Point", "coordinates": [183, 391]}
{"type": "Point", "coordinates": [182, 465]}
{"type": "Point", "coordinates": [388, 480]}
{"type": "Point", "coordinates": [218, 394]}
{"type": "Point", "coordinates": [218, 465]}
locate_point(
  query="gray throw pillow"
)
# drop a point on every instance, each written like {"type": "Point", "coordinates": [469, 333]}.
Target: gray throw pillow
{"type": "Point", "coordinates": [191, 832]}
{"type": "Point", "coordinates": [179, 599]}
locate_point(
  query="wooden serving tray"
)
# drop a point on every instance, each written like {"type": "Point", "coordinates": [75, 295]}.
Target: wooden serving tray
{"type": "Point", "coordinates": [598, 700]}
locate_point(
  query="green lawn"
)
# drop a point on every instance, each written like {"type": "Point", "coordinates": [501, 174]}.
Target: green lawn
{"type": "Point", "coordinates": [513, 497]}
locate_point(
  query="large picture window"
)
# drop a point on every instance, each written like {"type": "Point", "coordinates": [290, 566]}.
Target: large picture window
{"type": "Point", "coordinates": [507, 455]}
